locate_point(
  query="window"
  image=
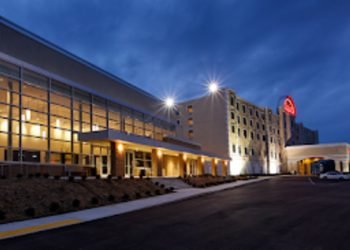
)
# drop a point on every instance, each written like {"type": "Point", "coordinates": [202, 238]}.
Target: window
{"type": "Point", "coordinates": [243, 107]}
{"type": "Point", "coordinates": [257, 136]}
{"type": "Point", "coordinates": [258, 125]}
{"type": "Point", "coordinates": [190, 121]}
{"type": "Point", "coordinates": [239, 150]}
{"type": "Point", "coordinates": [257, 114]}
{"type": "Point", "coordinates": [263, 127]}
{"type": "Point", "coordinates": [252, 152]}
{"type": "Point", "coordinates": [244, 121]}
{"type": "Point", "coordinates": [237, 106]}
{"type": "Point", "coordinates": [234, 148]}
{"type": "Point", "coordinates": [190, 134]}
{"type": "Point", "coordinates": [232, 115]}
{"type": "Point", "coordinates": [238, 119]}
{"type": "Point", "coordinates": [246, 151]}
{"type": "Point", "coordinates": [264, 138]}
{"type": "Point", "coordinates": [250, 111]}
{"type": "Point", "coordinates": [189, 109]}
{"type": "Point", "coordinates": [245, 133]}
{"type": "Point", "coordinates": [232, 101]}
{"type": "Point", "coordinates": [239, 132]}
{"type": "Point", "coordinates": [251, 123]}
{"type": "Point", "coordinates": [252, 135]}
{"type": "Point", "coordinates": [233, 129]}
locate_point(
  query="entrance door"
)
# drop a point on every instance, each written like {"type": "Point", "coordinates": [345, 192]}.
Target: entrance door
{"type": "Point", "coordinates": [129, 163]}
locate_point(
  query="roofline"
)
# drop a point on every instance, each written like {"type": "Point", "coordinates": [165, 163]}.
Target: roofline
{"type": "Point", "coordinates": [320, 145]}
{"type": "Point", "coordinates": [70, 55]}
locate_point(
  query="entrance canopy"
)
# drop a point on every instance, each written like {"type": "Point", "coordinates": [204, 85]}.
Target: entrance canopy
{"type": "Point", "coordinates": [122, 137]}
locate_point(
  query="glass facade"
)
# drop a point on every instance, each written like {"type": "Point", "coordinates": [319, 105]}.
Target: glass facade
{"type": "Point", "coordinates": [40, 119]}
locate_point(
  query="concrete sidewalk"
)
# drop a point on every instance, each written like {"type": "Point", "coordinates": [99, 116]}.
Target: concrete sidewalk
{"type": "Point", "coordinates": [20, 228]}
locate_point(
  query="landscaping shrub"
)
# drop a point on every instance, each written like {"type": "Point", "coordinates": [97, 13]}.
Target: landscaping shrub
{"type": "Point", "coordinates": [157, 192]}
{"type": "Point", "coordinates": [137, 195]}
{"type": "Point", "coordinates": [94, 201]}
{"type": "Point", "coordinates": [109, 177]}
{"type": "Point", "coordinates": [98, 177]}
{"type": "Point", "coordinates": [71, 178]}
{"type": "Point", "coordinates": [54, 206]}
{"type": "Point", "coordinates": [120, 178]}
{"type": "Point", "coordinates": [3, 177]}
{"type": "Point", "coordinates": [148, 193]}
{"type": "Point", "coordinates": [171, 189]}
{"type": "Point", "coordinates": [156, 183]}
{"type": "Point", "coordinates": [162, 186]}
{"type": "Point", "coordinates": [30, 176]}
{"type": "Point", "coordinates": [131, 177]}
{"type": "Point", "coordinates": [30, 212]}
{"type": "Point", "coordinates": [76, 203]}
{"type": "Point", "coordinates": [19, 176]}
{"type": "Point", "coordinates": [2, 215]}
{"type": "Point", "coordinates": [111, 198]}
{"type": "Point", "coordinates": [125, 197]}
{"type": "Point", "coordinates": [83, 177]}
{"type": "Point", "coordinates": [38, 175]}
{"type": "Point", "coordinates": [57, 177]}
{"type": "Point", "coordinates": [45, 175]}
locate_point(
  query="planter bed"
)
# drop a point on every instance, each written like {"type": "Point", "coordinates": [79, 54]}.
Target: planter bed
{"type": "Point", "coordinates": [209, 180]}
{"type": "Point", "coordinates": [24, 198]}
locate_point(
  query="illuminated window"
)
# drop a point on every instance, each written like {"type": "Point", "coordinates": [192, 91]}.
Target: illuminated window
{"type": "Point", "coordinates": [189, 109]}
{"type": "Point", "coordinates": [190, 121]}
{"type": "Point", "coordinates": [190, 134]}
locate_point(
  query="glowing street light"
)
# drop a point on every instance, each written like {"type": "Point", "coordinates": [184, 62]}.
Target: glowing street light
{"type": "Point", "coordinates": [169, 102]}
{"type": "Point", "coordinates": [213, 87]}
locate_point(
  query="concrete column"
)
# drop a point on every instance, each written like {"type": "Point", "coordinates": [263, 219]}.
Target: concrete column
{"type": "Point", "coordinates": [117, 160]}
{"type": "Point", "coordinates": [157, 162]}
{"type": "Point", "coordinates": [224, 168]}
{"type": "Point", "coordinates": [213, 167]}
{"type": "Point", "coordinates": [182, 165]}
{"type": "Point", "coordinates": [200, 166]}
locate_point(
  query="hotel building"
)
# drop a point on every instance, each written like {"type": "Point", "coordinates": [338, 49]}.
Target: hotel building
{"type": "Point", "coordinates": [60, 114]}
{"type": "Point", "coordinates": [254, 138]}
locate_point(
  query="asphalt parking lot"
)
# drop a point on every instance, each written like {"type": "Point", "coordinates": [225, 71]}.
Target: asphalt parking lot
{"type": "Point", "coordinates": [282, 213]}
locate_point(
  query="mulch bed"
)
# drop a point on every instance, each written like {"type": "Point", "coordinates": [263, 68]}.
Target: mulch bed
{"type": "Point", "coordinates": [209, 180]}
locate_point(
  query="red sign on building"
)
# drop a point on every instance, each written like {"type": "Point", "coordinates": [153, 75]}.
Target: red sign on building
{"type": "Point", "coordinates": [289, 106]}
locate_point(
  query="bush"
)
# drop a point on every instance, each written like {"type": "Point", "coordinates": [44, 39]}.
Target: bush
{"type": "Point", "coordinates": [148, 193]}
{"type": "Point", "coordinates": [156, 183]}
{"type": "Point", "coordinates": [76, 203]}
{"type": "Point", "coordinates": [45, 175]}
{"type": "Point", "coordinates": [57, 177]}
{"type": "Point", "coordinates": [111, 198]}
{"type": "Point", "coordinates": [157, 192]}
{"type": "Point", "coordinates": [137, 195]}
{"type": "Point", "coordinates": [2, 215]}
{"type": "Point", "coordinates": [94, 201]}
{"type": "Point", "coordinates": [54, 206]}
{"type": "Point", "coordinates": [30, 176]}
{"type": "Point", "coordinates": [3, 177]}
{"type": "Point", "coordinates": [171, 189]}
{"type": "Point", "coordinates": [30, 212]}
{"type": "Point", "coordinates": [38, 175]}
{"type": "Point", "coordinates": [120, 178]}
{"type": "Point", "coordinates": [109, 177]}
{"type": "Point", "coordinates": [132, 177]}
{"type": "Point", "coordinates": [19, 176]}
{"type": "Point", "coordinates": [71, 178]}
{"type": "Point", "coordinates": [98, 177]}
{"type": "Point", "coordinates": [83, 177]}
{"type": "Point", "coordinates": [162, 186]}
{"type": "Point", "coordinates": [125, 197]}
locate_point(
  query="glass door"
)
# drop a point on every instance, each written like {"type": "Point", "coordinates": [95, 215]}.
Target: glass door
{"type": "Point", "coordinates": [129, 163]}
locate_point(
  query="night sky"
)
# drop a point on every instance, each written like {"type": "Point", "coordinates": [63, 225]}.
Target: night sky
{"type": "Point", "coordinates": [263, 49]}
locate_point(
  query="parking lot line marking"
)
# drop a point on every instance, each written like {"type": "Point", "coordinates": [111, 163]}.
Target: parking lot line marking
{"type": "Point", "coordinates": [311, 181]}
{"type": "Point", "coordinates": [36, 228]}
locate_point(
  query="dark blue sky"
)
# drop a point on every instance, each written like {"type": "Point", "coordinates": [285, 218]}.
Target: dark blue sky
{"type": "Point", "coordinates": [261, 49]}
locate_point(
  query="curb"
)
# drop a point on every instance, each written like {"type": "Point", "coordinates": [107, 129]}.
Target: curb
{"type": "Point", "coordinates": [21, 228]}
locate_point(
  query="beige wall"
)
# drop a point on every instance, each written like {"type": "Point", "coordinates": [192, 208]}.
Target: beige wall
{"type": "Point", "coordinates": [337, 152]}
